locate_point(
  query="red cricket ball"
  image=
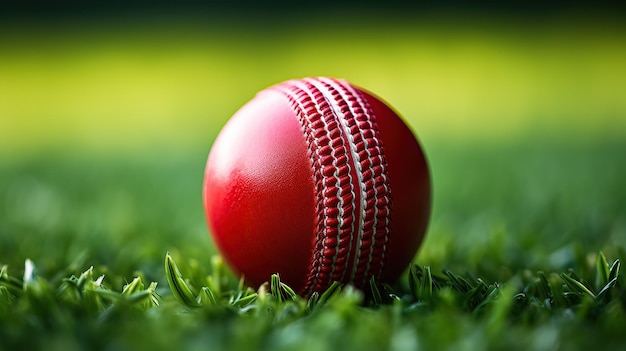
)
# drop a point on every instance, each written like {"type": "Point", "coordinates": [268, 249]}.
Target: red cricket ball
{"type": "Point", "coordinates": [319, 181]}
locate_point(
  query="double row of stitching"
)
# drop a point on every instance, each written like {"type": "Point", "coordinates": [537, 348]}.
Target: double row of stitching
{"type": "Point", "coordinates": [370, 163]}
{"type": "Point", "coordinates": [333, 184]}
{"type": "Point", "coordinates": [345, 123]}
{"type": "Point", "coordinates": [381, 188]}
{"type": "Point", "coordinates": [343, 140]}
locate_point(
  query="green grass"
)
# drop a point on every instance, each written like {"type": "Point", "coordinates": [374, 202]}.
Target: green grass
{"type": "Point", "coordinates": [511, 259]}
{"type": "Point", "coordinates": [104, 133]}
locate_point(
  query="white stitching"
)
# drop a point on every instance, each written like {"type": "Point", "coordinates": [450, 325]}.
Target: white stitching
{"type": "Point", "coordinates": [369, 113]}
{"type": "Point", "coordinates": [340, 86]}
{"type": "Point", "coordinates": [294, 90]}
{"type": "Point", "coordinates": [319, 83]}
{"type": "Point", "coordinates": [305, 89]}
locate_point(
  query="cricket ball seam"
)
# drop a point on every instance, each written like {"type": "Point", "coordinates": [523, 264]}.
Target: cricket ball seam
{"type": "Point", "coordinates": [360, 108]}
{"type": "Point", "coordinates": [335, 211]}
{"type": "Point", "coordinates": [332, 114]}
{"type": "Point", "coordinates": [364, 144]}
{"type": "Point", "coordinates": [345, 120]}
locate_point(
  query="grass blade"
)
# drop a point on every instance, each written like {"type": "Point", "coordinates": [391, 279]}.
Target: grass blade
{"type": "Point", "coordinates": [134, 286]}
{"type": "Point", "coordinates": [245, 301]}
{"type": "Point", "coordinates": [13, 284]}
{"type": "Point", "coordinates": [426, 286]}
{"type": "Point", "coordinates": [29, 273]}
{"type": "Point", "coordinates": [614, 271]}
{"type": "Point", "coordinates": [5, 295]}
{"type": "Point", "coordinates": [414, 280]}
{"type": "Point", "coordinates": [602, 271]}
{"type": "Point", "coordinates": [543, 286]}
{"type": "Point", "coordinates": [492, 294]}
{"type": "Point", "coordinates": [291, 294]}
{"type": "Point", "coordinates": [377, 298]}
{"type": "Point", "coordinates": [333, 289]}
{"type": "Point", "coordinates": [207, 297]}
{"type": "Point", "coordinates": [275, 287]}
{"type": "Point", "coordinates": [180, 289]}
{"type": "Point", "coordinates": [577, 286]}
{"type": "Point", "coordinates": [312, 301]}
{"type": "Point", "coordinates": [458, 283]}
{"type": "Point", "coordinates": [155, 299]}
{"type": "Point", "coordinates": [605, 290]}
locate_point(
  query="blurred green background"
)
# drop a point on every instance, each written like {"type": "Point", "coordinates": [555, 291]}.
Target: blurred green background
{"type": "Point", "coordinates": [107, 115]}
{"type": "Point", "coordinates": [172, 80]}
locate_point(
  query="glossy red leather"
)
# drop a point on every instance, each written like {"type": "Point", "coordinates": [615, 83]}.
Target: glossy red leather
{"type": "Point", "coordinates": [259, 191]}
{"type": "Point", "coordinates": [410, 188]}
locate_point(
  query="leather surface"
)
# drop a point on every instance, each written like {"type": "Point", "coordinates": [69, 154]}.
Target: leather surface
{"type": "Point", "coordinates": [410, 188]}
{"type": "Point", "coordinates": [259, 192]}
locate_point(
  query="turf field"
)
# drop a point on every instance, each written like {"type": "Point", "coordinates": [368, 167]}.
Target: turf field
{"type": "Point", "coordinates": [105, 128]}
